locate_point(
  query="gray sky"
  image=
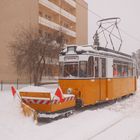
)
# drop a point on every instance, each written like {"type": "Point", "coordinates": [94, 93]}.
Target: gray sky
{"type": "Point", "coordinates": [127, 10]}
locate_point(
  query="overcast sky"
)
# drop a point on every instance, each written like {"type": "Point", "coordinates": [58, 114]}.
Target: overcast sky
{"type": "Point", "coordinates": [127, 10]}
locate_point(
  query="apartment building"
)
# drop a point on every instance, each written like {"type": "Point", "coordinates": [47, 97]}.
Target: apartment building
{"type": "Point", "coordinates": [68, 16]}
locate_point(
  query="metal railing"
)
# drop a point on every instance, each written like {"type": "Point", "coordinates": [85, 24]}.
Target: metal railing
{"type": "Point", "coordinates": [58, 10]}
{"type": "Point", "coordinates": [6, 85]}
{"type": "Point", "coordinates": [55, 26]}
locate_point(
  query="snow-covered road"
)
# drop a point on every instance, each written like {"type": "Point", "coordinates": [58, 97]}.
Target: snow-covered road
{"type": "Point", "coordinates": [128, 126]}
{"type": "Point", "coordinates": [118, 121]}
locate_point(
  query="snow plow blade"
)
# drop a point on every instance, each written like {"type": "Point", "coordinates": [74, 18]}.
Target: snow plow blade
{"type": "Point", "coordinates": [41, 100]}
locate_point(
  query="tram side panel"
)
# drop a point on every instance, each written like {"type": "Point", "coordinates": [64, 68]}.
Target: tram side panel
{"type": "Point", "coordinates": [132, 84]}
{"type": "Point", "coordinates": [91, 94]}
{"type": "Point", "coordinates": [92, 91]}
{"type": "Point", "coordinates": [103, 89]}
{"type": "Point", "coordinates": [118, 87]}
{"type": "Point", "coordinates": [86, 90]}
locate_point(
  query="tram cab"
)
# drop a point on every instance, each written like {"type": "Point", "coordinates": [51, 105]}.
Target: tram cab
{"type": "Point", "coordinates": [96, 74]}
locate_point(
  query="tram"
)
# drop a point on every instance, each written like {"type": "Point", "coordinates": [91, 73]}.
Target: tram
{"type": "Point", "coordinates": [96, 74]}
{"type": "Point", "coordinates": [87, 75]}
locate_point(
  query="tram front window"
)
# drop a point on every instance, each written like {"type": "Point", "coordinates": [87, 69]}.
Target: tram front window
{"type": "Point", "coordinates": [71, 70]}
{"type": "Point", "coordinates": [83, 69]}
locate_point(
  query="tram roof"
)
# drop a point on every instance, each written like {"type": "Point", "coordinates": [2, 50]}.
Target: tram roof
{"type": "Point", "coordinates": [89, 49]}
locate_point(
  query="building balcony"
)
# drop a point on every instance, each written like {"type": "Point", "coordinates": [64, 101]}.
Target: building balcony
{"type": "Point", "coordinates": [58, 10]}
{"type": "Point", "coordinates": [57, 27]}
{"type": "Point", "coordinates": [71, 2]}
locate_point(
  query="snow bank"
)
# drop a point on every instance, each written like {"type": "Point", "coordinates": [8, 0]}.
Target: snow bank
{"type": "Point", "coordinates": [40, 89]}
{"type": "Point", "coordinates": [13, 125]}
{"type": "Point", "coordinates": [91, 124]}
{"type": "Point", "coordinates": [37, 89]}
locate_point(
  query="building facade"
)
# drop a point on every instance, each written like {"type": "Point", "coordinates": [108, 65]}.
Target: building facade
{"type": "Point", "coordinates": [69, 16]}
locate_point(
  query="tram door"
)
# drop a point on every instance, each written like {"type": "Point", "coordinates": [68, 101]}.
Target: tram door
{"type": "Point", "coordinates": [97, 79]}
{"type": "Point", "coordinates": [102, 81]}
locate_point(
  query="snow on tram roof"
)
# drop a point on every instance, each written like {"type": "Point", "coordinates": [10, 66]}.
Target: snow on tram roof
{"type": "Point", "coordinates": [84, 49]}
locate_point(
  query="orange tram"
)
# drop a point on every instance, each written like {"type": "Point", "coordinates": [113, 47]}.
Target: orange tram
{"type": "Point", "coordinates": [87, 76]}
{"type": "Point", "coordinates": [96, 74]}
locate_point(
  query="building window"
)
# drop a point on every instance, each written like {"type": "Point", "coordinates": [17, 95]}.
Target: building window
{"type": "Point", "coordinates": [40, 32]}
{"type": "Point", "coordinates": [48, 17]}
{"type": "Point", "coordinates": [48, 35]}
{"type": "Point", "coordinates": [40, 13]}
{"type": "Point", "coordinates": [65, 24]}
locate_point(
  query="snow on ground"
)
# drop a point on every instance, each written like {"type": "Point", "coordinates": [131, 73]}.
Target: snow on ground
{"type": "Point", "coordinates": [118, 121]}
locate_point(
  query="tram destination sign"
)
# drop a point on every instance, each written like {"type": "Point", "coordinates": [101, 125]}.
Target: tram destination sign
{"type": "Point", "coordinates": [71, 58]}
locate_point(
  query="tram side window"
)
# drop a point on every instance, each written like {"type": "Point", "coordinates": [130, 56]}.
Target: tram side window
{"type": "Point", "coordinates": [115, 71]}
{"type": "Point", "coordinates": [91, 66]}
{"type": "Point", "coordinates": [61, 69]}
{"type": "Point", "coordinates": [130, 69]}
{"type": "Point", "coordinates": [83, 69]}
{"type": "Point", "coordinates": [124, 70]}
{"type": "Point", "coordinates": [120, 69]}
{"type": "Point", "coordinates": [96, 64]}
{"type": "Point", "coordinates": [134, 70]}
{"type": "Point", "coordinates": [103, 62]}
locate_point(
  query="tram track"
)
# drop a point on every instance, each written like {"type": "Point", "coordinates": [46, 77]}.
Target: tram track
{"type": "Point", "coordinates": [137, 137]}
{"type": "Point", "coordinates": [112, 125]}
{"type": "Point", "coordinates": [108, 127]}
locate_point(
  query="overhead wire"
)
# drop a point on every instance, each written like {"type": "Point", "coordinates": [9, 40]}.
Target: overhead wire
{"type": "Point", "coordinates": [88, 9]}
{"type": "Point", "coordinates": [97, 15]}
{"type": "Point", "coordinates": [130, 35]}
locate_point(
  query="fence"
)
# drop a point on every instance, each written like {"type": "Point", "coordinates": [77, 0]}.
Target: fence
{"type": "Point", "coordinates": [6, 85]}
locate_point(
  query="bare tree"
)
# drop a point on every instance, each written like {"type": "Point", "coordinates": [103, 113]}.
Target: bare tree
{"type": "Point", "coordinates": [31, 51]}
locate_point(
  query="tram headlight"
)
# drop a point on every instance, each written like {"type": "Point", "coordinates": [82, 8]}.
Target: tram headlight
{"type": "Point", "coordinates": [69, 91]}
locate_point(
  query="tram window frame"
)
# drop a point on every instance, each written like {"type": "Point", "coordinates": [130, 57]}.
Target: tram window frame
{"type": "Point", "coordinates": [70, 73]}
{"type": "Point", "coordinates": [119, 69]}
{"type": "Point", "coordinates": [90, 67]}
{"type": "Point", "coordinates": [61, 69]}
{"type": "Point", "coordinates": [115, 71]}
{"type": "Point", "coordinates": [96, 66]}
{"type": "Point", "coordinates": [134, 70]}
{"type": "Point", "coordinates": [103, 67]}
{"type": "Point", "coordinates": [83, 73]}
{"type": "Point", "coordinates": [126, 68]}
{"type": "Point", "coordinates": [130, 69]}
